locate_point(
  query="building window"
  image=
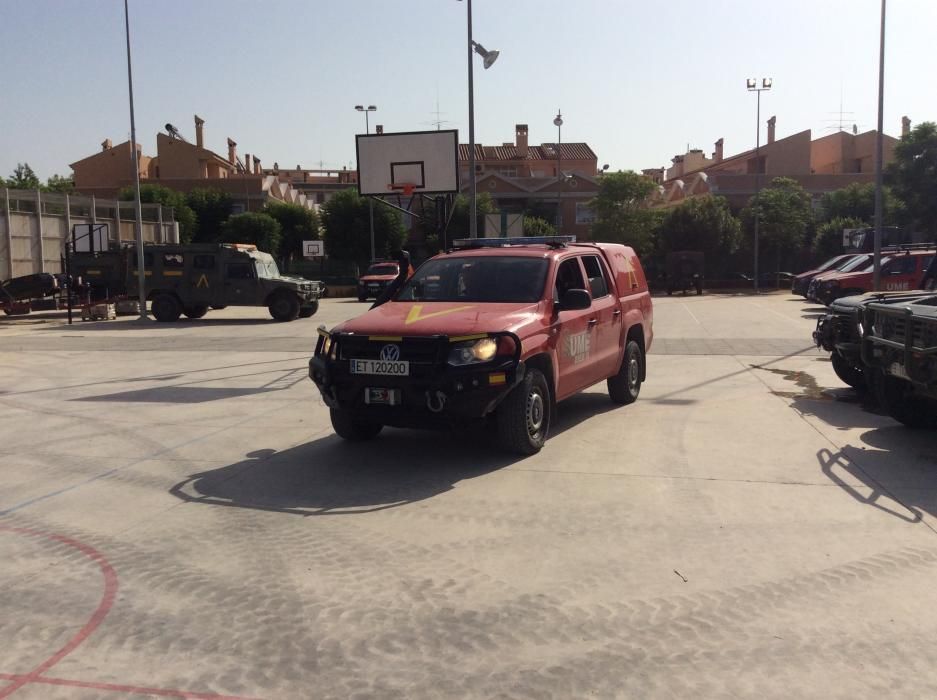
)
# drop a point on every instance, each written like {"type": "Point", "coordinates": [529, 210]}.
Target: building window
{"type": "Point", "coordinates": [237, 208]}
{"type": "Point", "coordinates": [584, 213]}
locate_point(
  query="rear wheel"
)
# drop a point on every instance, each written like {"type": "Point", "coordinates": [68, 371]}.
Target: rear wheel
{"type": "Point", "coordinates": [524, 416]}
{"type": "Point", "coordinates": [284, 307]}
{"type": "Point", "coordinates": [625, 386]}
{"type": "Point", "coordinates": [350, 427]}
{"type": "Point", "coordinates": [195, 311]}
{"type": "Point", "coordinates": [166, 308]}
{"type": "Point", "coordinates": [848, 372]}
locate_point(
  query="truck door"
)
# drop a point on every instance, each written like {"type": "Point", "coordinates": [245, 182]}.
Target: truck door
{"type": "Point", "coordinates": [239, 283]}
{"type": "Point", "coordinates": [900, 273]}
{"type": "Point", "coordinates": [202, 280]}
{"type": "Point", "coordinates": [574, 335]}
{"type": "Point", "coordinates": [606, 318]}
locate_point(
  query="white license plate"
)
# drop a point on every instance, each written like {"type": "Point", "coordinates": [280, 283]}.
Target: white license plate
{"type": "Point", "coordinates": [393, 368]}
{"type": "Point", "coordinates": [897, 370]}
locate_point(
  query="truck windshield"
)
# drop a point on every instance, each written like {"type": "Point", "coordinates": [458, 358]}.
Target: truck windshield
{"type": "Point", "coordinates": [383, 270]}
{"type": "Point", "coordinates": [266, 269]}
{"type": "Point", "coordinates": [487, 279]}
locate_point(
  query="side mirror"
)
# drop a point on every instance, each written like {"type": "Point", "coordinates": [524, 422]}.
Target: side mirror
{"type": "Point", "coordinates": [574, 300]}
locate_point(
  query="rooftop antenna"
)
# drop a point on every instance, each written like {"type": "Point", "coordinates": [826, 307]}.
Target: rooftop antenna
{"type": "Point", "coordinates": [438, 122]}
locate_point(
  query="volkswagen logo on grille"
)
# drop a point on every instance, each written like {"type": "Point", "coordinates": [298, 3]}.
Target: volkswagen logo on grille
{"type": "Point", "coordinates": [390, 353]}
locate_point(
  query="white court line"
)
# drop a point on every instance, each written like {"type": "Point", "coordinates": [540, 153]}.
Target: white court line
{"type": "Point", "coordinates": [778, 313]}
{"type": "Point", "coordinates": [691, 314]}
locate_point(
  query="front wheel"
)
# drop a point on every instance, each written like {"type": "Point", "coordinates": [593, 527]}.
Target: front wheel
{"type": "Point", "coordinates": [848, 372]}
{"type": "Point", "coordinates": [524, 416]}
{"type": "Point", "coordinates": [307, 311]}
{"type": "Point", "coordinates": [625, 386]}
{"type": "Point", "coordinates": [284, 307]}
{"type": "Point", "coordinates": [349, 427]}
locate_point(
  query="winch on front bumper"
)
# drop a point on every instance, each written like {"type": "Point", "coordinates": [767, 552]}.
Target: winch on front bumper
{"type": "Point", "coordinates": [432, 393]}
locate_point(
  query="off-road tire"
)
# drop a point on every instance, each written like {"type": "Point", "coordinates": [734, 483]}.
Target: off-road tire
{"type": "Point", "coordinates": [849, 373]}
{"type": "Point", "coordinates": [195, 311]}
{"type": "Point", "coordinates": [284, 307]}
{"type": "Point", "coordinates": [896, 397]}
{"type": "Point", "coordinates": [348, 427]}
{"type": "Point", "coordinates": [307, 311]}
{"type": "Point", "coordinates": [166, 308]}
{"type": "Point", "coordinates": [523, 418]}
{"type": "Point", "coordinates": [625, 386]}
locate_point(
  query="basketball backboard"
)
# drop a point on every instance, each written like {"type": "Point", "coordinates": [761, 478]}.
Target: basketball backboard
{"type": "Point", "coordinates": [428, 160]}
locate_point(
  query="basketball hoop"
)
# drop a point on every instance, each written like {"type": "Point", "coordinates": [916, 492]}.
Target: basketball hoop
{"type": "Point", "coordinates": [403, 187]}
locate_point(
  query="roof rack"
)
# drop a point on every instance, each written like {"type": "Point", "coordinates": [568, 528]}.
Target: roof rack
{"type": "Point", "coordinates": [552, 241]}
{"type": "Point", "coordinates": [899, 247]}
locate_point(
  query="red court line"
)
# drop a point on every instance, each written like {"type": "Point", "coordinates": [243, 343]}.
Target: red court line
{"type": "Point", "coordinates": [118, 688]}
{"type": "Point", "coordinates": [104, 607]}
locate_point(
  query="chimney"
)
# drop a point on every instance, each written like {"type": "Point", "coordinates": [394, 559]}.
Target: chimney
{"type": "Point", "coordinates": [771, 123]}
{"type": "Point", "coordinates": [905, 126]}
{"type": "Point", "coordinates": [247, 162]}
{"type": "Point", "coordinates": [232, 152]}
{"type": "Point", "coordinates": [379, 129]}
{"type": "Point", "coordinates": [520, 140]}
{"type": "Point", "coordinates": [106, 143]}
{"type": "Point", "coordinates": [717, 154]}
{"type": "Point", "coordinates": [257, 166]}
{"type": "Point", "coordinates": [199, 136]}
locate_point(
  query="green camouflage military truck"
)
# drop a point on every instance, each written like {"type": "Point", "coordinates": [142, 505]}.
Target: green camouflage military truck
{"type": "Point", "coordinates": [191, 279]}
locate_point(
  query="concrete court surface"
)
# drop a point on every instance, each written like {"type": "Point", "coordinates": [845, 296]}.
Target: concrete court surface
{"type": "Point", "coordinates": [178, 520]}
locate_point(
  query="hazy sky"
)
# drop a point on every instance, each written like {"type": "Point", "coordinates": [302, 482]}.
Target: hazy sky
{"type": "Point", "coordinates": [638, 80]}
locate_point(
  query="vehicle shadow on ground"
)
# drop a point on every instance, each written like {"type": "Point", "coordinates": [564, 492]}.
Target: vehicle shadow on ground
{"type": "Point", "coordinates": [151, 325]}
{"type": "Point", "coordinates": [898, 476]}
{"type": "Point", "coordinates": [329, 476]}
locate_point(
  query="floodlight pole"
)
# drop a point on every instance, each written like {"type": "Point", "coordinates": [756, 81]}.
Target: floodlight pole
{"type": "Point", "coordinates": [753, 87]}
{"type": "Point", "coordinates": [558, 122]}
{"type": "Point", "coordinates": [138, 227]}
{"type": "Point", "coordinates": [877, 254]}
{"type": "Point", "coordinates": [473, 193]}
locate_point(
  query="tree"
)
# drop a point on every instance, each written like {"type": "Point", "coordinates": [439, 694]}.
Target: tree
{"type": "Point", "coordinates": [23, 178]}
{"type": "Point", "coordinates": [211, 208]}
{"type": "Point", "coordinates": [913, 175]}
{"type": "Point", "coordinates": [702, 223]}
{"type": "Point", "coordinates": [622, 215]}
{"type": "Point", "coordinates": [857, 201]}
{"type": "Point", "coordinates": [785, 216]}
{"type": "Point", "coordinates": [251, 227]}
{"type": "Point", "coordinates": [297, 224]}
{"type": "Point", "coordinates": [346, 231]}
{"type": "Point", "coordinates": [157, 194]}
{"type": "Point", "coordinates": [828, 240]}
{"type": "Point", "coordinates": [58, 183]}
{"type": "Point", "coordinates": [535, 226]}
{"type": "Point", "coordinates": [459, 223]}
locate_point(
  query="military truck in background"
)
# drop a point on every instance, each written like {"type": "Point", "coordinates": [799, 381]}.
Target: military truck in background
{"type": "Point", "coordinates": [191, 279]}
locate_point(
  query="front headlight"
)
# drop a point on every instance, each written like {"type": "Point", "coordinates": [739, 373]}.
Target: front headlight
{"type": "Point", "coordinates": [472, 352]}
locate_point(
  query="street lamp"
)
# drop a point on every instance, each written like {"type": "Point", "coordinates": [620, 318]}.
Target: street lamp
{"type": "Point", "coordinates": [558, 123]}
{"type": "Point", "coordinates": [367, 130]}
{"type": "Point", "coordinates": [138, 226]}
{"type": "Point", "coordinates": [752, 85]}
{"type": "Point", "coordinates": [877, 249]}
{"type": "Point", "coordinates": [489, 58]}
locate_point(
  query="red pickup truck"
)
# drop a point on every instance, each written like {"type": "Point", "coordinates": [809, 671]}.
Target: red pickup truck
{"type": "Point", "coordinates": [499, 329]}
{"type": "Point", "coordinates": [903, 268]}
